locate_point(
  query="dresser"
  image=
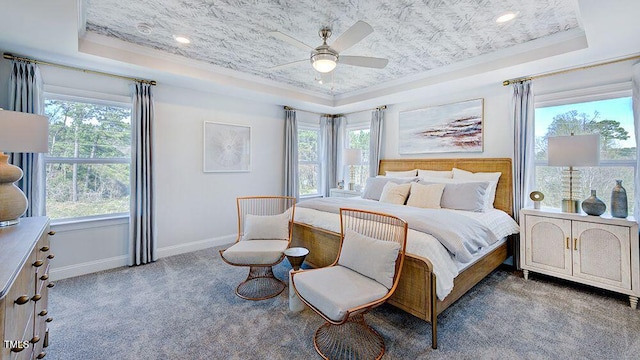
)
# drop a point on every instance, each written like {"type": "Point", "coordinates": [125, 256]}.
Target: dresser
{"type": "Point", "coordinates": [24, 284]}
{"type": "Point", "coordinates": [599, 251]}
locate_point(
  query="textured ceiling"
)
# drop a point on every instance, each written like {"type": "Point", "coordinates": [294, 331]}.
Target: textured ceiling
{"type": "Point", "coordinates": [416, 36]}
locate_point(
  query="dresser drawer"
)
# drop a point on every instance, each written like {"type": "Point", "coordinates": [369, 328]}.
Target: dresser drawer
{"type": "Point", "coordinates": [19, 303]}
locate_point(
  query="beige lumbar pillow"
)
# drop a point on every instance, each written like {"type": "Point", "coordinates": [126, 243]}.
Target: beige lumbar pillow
{"type": "Point", "coordinates": [395, 193]}
{"type": "Point", "coordinates": [425, 196]}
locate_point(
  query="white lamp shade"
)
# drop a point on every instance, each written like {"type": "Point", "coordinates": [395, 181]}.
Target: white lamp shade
{"type": "Point", "coordinates": [352, 156]}
{"type": "Point", "coordinates": [23, 132]}
{"type": "Point", "coordinates": [576, 150]}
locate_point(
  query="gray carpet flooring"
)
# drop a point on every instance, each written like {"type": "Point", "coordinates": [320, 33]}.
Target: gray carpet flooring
{"type": "Point", "coordinates": [184, 307]}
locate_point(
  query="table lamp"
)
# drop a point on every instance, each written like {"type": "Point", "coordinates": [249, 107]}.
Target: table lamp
{"type": "Point", "coordinates": [19, 132]}
{"type": "Point", "coordinates": [570, 151]}
{"type": "Point", "coordinates": [352, 157]}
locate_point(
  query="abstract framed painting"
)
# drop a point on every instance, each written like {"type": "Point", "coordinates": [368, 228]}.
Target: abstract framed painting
{"type": "Point", "coordinates": [455, 127]}
{"type": "Point", "coordinates": [227, 147]}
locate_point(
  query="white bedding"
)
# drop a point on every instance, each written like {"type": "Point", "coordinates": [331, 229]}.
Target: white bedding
{"type": "Point", "coordinates": [424, 245]}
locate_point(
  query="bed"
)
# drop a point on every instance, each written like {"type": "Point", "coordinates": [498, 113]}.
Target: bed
{"type": "Point", "coordinates": [416, 292]}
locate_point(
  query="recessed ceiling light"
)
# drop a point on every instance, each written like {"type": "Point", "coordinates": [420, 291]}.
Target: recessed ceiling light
{"type": "Point", "coordinates": [181, 39]}
{"type": "Point", "coordinates": [144, 28]}
{"type": "Point", "coordinates": [507, 16]}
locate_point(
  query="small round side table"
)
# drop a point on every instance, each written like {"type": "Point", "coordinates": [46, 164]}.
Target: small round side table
{"type": "Point", "coordinates": [296, 256]}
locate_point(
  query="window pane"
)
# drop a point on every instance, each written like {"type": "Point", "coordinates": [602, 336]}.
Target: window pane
{"type": "Point", "coordinates": [308, 145]}
{"type": "Point", "coordinates": [309, 178]}
{"type": "Point", "coordinates": [84, 130]}
{"type": "Point", "coordinates": [75, 190]}
{"type": "Point", "coordinates": [359, 139]}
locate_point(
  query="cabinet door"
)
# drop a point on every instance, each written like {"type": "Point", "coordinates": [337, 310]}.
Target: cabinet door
{"type": "Point", "coordinates": [546, 241]}
{"type": "Point", "coordinates": [602, 254]}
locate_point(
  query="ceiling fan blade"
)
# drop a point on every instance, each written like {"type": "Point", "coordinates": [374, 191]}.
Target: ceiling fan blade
{"type": "Point", "coordinates": [278, 67]}
{"type": "Point", "coordinates": [352, 36]}
{"type": "Point", "coordinates": [364, 61]}
{"type": "Point", "coordinates": [290, 40]}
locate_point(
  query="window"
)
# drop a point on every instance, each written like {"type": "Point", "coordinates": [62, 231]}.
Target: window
{"type": "Point", "coordinates": [309, 165]}
{"type": "Point", "coordinates": [613, 119]}
{"type": "Point", "coordinates": [358, 138]}
{"type": "Point", "coordinates": [88, 164]}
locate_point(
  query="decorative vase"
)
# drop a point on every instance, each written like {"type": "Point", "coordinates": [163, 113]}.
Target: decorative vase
{"type": "Point", "coordinates": [619, 206]}
{"type": "Point", "coordinates": [593, 206]}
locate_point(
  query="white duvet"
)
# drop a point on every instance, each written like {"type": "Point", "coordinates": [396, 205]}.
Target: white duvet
{"type": "Point", "coordinates": [421, 244]}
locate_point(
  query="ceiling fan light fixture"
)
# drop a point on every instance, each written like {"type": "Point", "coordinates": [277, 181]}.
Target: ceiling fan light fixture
{"type": "Point", "coordinates": [324, 62]}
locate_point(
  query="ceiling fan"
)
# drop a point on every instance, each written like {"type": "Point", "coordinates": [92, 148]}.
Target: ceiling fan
{"type": "Point", "coordinates": [324, 58]}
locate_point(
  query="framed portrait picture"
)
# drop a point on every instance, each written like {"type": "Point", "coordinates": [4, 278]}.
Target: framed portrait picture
{"type": "Point", "coordinates": [227, 147]}
{"type": "Point", "coordinates": [453, 127]}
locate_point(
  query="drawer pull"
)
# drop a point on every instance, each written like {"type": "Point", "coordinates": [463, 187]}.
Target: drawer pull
{"type": "Point", "coordinates": [44, 248]}
{"type": "Point", "coordinates": [567, 242]}
{"type": "Point", "coordinates": [51, 256]}
{"type": "Point", "coordinates": [49, 319]}
{"type": "Point", "coordinates": [17, 349]}
{"type": "Point", "coordinates": [43, 313]}
{"type": "Point", "coordinates": [41, 355]}
{"type": "Point", "coordinates": [22, 300]}
{"type": "Point", "coordinates": [575, 244]}
{"type": "Point", "coordinates": [50, 285]}
{"type": "Point", "coordinates": [36, 297]}
{"type": "Point", "coordinates": [51, 233]}
{"type": "Point", "coordinates": [38, 263]}
{"type": "Point", "coordinates": [34, 340]}
{"type": "Point", "coordinates": [44, 277]}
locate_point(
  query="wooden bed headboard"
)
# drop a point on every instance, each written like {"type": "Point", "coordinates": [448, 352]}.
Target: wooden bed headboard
{"type": "Point", "coordinates": [504, 191]}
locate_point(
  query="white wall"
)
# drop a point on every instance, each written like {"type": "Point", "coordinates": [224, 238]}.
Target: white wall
{"type": "Point", "coordinates": [194, 209]}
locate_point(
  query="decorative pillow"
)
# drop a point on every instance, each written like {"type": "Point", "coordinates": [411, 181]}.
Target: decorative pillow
{"type": "Point", "coordinates": [409, 173]}
{"type": "Point", "coordinates": [435, 174]}
{"type": "Point", "coordinates": [425, 196]}
{"type": "Point", "coordinates": [272, 227]}
{"type": "Point", "coordinates": [470, 196]}
{"type": "Point", "coordinates": [395, 193]}
{"type": "Point", "coordinates": [373, 187]}
{"type": "Point", "coordinates": [370, 257]}
{"type": "Point", "coordinates": [492, 177]}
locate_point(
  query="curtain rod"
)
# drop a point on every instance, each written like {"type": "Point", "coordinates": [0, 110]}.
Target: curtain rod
{"type": "Point", "coordinates": [12, 57]}
{"type": "Point", "coordinates": [532, 77]}
{"type": "Point", "coordinates": [383, 107]}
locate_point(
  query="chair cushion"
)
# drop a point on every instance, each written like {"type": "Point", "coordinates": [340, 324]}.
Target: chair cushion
{"type": "Point", "coordinates": [260, 227]}
{"type": "Point", "coordinates": [262, 252]}
{"type": "Point", "coordinates": [370, 257]}
{"type": "Point", "coordinates": [334, 290]}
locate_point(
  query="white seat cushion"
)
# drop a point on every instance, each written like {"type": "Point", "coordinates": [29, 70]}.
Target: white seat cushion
{"type": "Point", "coordinates": [336, 289]}
{"type": "Point", "coordinates": [257, 252]}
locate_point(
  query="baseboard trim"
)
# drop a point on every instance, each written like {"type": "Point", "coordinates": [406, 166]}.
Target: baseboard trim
{"type": "Point", "coordinates": [119, 261]}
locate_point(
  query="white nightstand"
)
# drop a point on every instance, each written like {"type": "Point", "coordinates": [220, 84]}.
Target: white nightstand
{"type": "Point", "coordinates": [600, 251]}
{"type": "Point", "coordinates": [335, 192]}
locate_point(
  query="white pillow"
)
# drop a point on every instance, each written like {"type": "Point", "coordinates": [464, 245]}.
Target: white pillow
{"type": "Point", "coordinates": [370, 257]}
{"type": "Point", "coordinates": [425, 196]}
{"type": "Point", "coordinates": [409, 173]}
{"type": "Point", "coordinates": [492, 177]}
{"type": "Point", "coordinates": [435, 174]}
{"type": "Point", "coordinates": [395, 193]}
{"type": "Point", "coordinates": [271, 227]}
{"type": "Point", "coordinates": [374, 186]}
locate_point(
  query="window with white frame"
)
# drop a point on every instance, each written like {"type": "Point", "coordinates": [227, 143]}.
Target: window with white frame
{"type": "Point", "coordinates": [309, 161]}
{"type": "Point", "coordinates": [358, 138]}
{"type": "Point", "coordinates": [88, 164]}
{"type": "Point", "coordinates": [609, 115]}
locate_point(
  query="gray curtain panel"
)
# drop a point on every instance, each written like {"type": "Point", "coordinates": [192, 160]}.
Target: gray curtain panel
{"type": "Point", "coordinates": [375, 141]}
{"type": "Point", "coordinates": [291, 154]}
{"type": "Point", "coordinates": [26, 95]}
{"type": "Point", "coordinates": [524, 146]}
{"type": "Point", "coordinates": [331, 140]}
{"type": "Point", "coordinates": [635, 81]}
{"type": "Point", "coordinates": [142, 223]}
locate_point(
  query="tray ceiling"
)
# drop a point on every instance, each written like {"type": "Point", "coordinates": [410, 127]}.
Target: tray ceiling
{"type": "Point", "coordinates": [416, 36]}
